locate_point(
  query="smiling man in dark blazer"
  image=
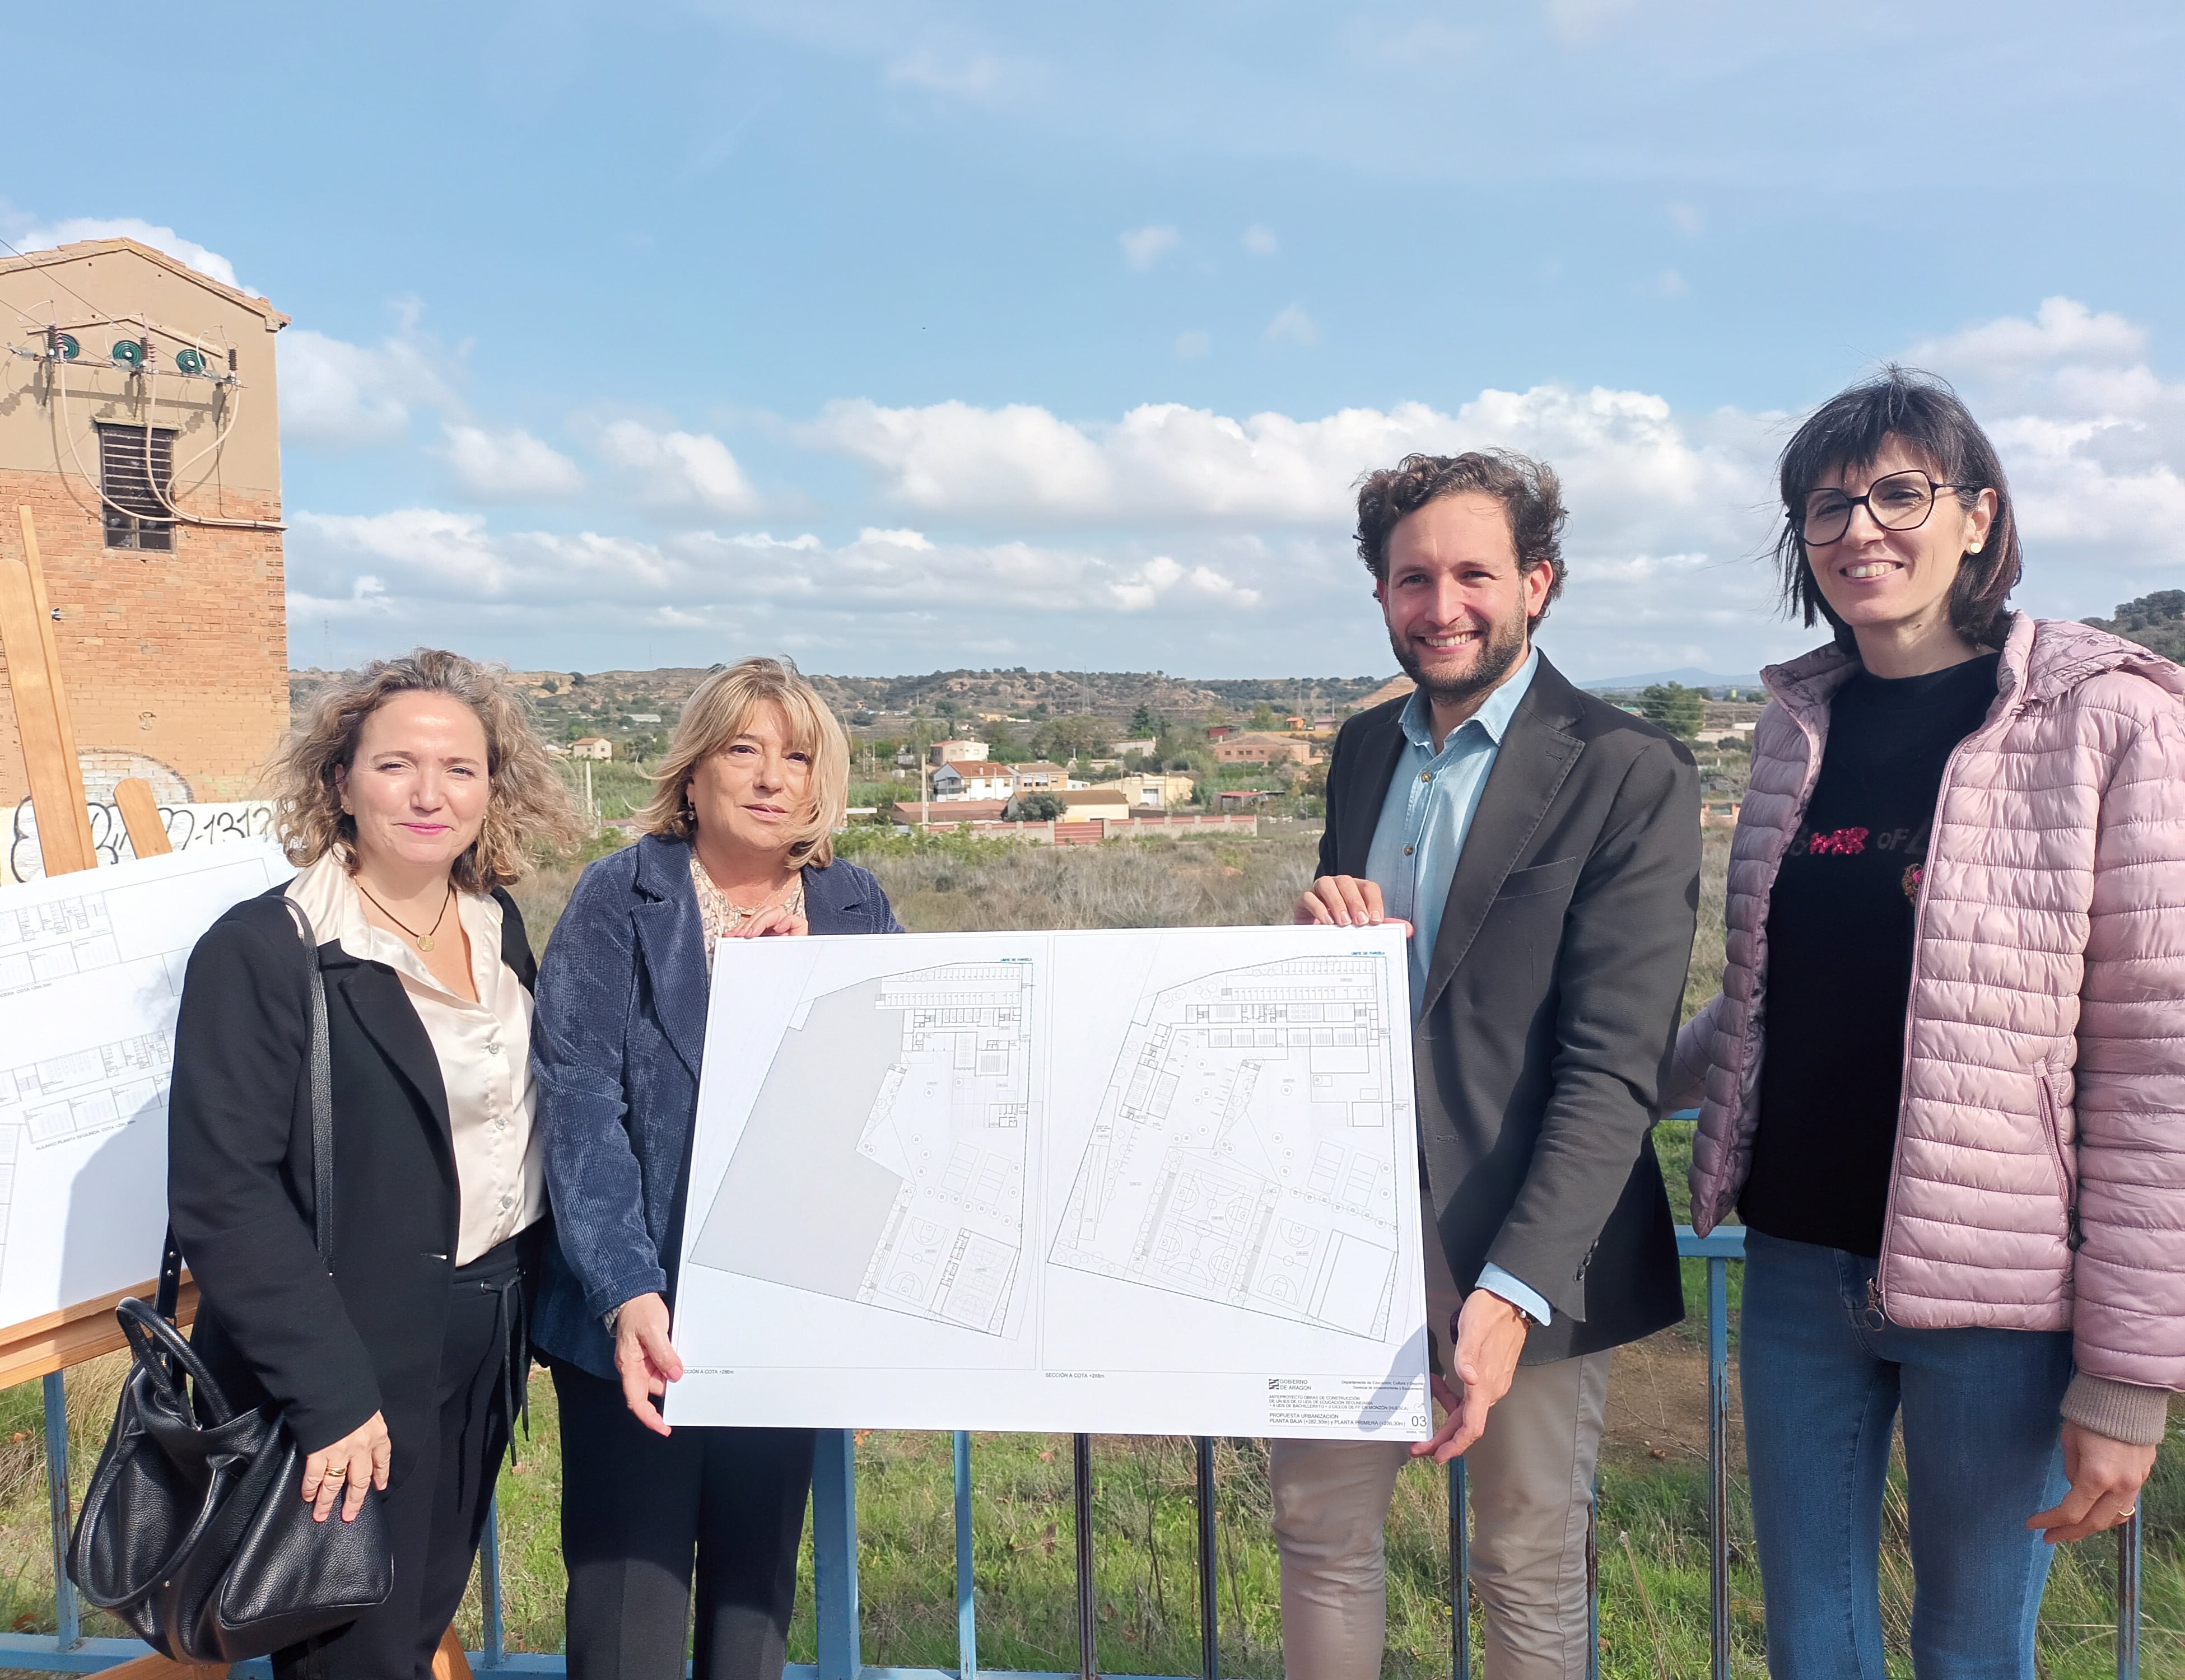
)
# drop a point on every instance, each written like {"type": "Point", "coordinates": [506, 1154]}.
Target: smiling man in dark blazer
{"type": "Point", "coordinates": [1544, 848]}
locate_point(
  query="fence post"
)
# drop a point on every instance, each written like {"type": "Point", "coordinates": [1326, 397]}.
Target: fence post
{"type": "Point", "coordinates": [496, 1645]}
{"type": "Point", "coordinates": [1081, 1465]}
{"type": "Point", "coordinates": [2127, 1632]}
{"type": "Point", "coordinates": [967, 1628]}
{"type": "Point", "coordinates": [1210, 1601]}
{"type": "Point", "coordinates": [66, 1615]}
{"type": "Point", "coordinates": [835, 1554]}
{"type": "Point", "coordinates": [1718, 1465]}
{"type": "Point", "coordinates": [1460, 1573]}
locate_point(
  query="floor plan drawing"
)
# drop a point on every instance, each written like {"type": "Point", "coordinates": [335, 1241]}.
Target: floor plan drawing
{"type": "Point", "coordinates": [92, 967]}
{"type": "Point", "coordinates": [909, 1098]}
{"type": "Point", "coordinates": [41, 943]}
{"type": "Point", "coordinates": [1128, 1180]}
{"type": "Point", "coordinates": [1245, 1150]}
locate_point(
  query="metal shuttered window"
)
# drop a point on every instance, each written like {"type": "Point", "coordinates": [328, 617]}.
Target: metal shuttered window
{"type": "Point", "coordinates": [131, 461]}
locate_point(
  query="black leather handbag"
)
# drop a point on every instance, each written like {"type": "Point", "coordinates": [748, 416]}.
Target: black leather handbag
{"type": "Point", "coordinates": [194, 1531]}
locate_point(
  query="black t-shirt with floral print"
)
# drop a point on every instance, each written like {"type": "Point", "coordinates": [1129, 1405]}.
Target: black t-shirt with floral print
{"type": "Point", "coordinates": [1840, 927]}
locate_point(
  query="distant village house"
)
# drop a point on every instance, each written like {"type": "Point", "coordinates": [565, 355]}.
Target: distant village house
{"type": "Point", "coordinates": [971, 779]}
{"type": "Point", "coordinates": [1081, 805]}
{"type": "Point", "coordinates": [1153, 791]}
{"type": "Point", "coordinates": [1258, 748]}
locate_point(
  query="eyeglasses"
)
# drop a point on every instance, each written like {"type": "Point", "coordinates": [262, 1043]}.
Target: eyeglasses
{"type": "Point", "coordinates": [1898, 502]}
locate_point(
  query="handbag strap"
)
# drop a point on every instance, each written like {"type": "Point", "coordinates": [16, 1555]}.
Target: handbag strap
{"type": "Point", "coordinates": [321, 1074]}
{"type": "Point", "coordinates": [322, 1093]}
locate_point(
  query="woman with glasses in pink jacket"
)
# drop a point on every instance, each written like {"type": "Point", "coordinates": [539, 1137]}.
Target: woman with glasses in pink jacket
{"type": "Point", "coordinates": [1944, 1082]}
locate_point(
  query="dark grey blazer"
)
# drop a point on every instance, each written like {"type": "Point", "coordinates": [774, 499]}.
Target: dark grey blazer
{"type": "Point", "coordinates": [1551, 1004]}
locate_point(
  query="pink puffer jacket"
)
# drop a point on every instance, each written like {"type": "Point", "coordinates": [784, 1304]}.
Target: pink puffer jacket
{"type": "Point", "coordinates": [2039, 1180]}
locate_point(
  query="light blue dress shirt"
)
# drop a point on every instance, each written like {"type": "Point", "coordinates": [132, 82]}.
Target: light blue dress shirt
{"type": "Point", "coordinates": [1431, 799]}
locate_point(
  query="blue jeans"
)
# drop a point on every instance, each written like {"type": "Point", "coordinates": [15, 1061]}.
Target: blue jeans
{"type": "Point", "coordinates": [1823, 1376]}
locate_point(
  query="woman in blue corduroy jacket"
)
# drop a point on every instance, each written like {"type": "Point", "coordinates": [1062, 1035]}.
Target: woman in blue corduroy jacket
{"type": "Point", "coordinates": [737, 845]}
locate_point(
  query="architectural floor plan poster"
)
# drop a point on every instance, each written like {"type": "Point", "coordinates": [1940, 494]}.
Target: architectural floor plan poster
{"type": "Point", "coordinates": [91, 976]}
{"type": "Point", "coordinates": [1158, 1181]}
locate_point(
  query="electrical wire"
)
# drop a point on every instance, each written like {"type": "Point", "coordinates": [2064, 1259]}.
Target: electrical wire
{"type": "Point", "coordinates": [220, 434]}
{"type": "Point", "coordinates": [151, 478]}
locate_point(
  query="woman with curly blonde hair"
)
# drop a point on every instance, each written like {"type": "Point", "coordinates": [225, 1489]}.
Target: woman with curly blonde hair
{"type": "Point", "coordinates": [407, 798]}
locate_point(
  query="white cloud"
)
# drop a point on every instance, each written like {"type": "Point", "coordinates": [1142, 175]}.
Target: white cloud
{"type": "Point", "coordinates": [1580, 23]}
{"type": "Point", "coordinates": [336, 393]}
{"type": "Point", "coordinates": [1144, 247]}
{"type": "Point", "coordinates": [40, 237]}
{"type": "Point", "coordinates": [1669, 283]}
{"type": "Point", "coordinates": [1260, 240]}
{"type": "Point", "coordinates": [1431, 45]}
{"type": "Point", "coordinates": [1183, 537]}
{"type": "Point", "coordinates": [1689, 219]}
{"type": "Point", "coordinates": [1176, 464]}
{"type": "Point", "coordinates": [1163, 580]}
{"type": "Point", "coordinates": [416, 561]}
{"type": "Point", "coordinates": [1192, 344]}
{"type": "Point", "coordinates": [1635, 468]}
{"type": "Point", "coordinates": [2061, 328]}
{"type": "Point", "coordinates": [2092, 440]}
{"type": "Point", "coordinates": [1293, 326]}
{"type": "Point", "coordinates": [677, 469]}
{"type": "Point", "coordinates": [952, 456]}
{"type": "Point", "coordinates": [975, 76]}
{"type": "Point", "coordinates": [510, 466]}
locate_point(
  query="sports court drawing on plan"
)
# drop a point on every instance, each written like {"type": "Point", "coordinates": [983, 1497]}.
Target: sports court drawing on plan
{"type": "Point", "coordinates": [1246, 1149]}
{"type": "Point", "coordinates": [883, 1158]}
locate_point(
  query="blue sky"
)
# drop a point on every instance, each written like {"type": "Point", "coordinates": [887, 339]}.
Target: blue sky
{"type": "Point", "coordinates": [913, 335]}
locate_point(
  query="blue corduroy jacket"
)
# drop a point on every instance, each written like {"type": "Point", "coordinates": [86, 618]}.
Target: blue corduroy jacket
{"type": "Point", "coordinates": [617, 1040]}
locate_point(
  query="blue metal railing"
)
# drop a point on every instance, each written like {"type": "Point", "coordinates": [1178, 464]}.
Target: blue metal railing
{"type": "Point", "coordinates": [834, 1550]}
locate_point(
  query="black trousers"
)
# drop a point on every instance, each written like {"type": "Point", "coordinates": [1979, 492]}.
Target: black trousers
{"type": "Point", "coordinates": [437, 1516]}
{"type": "Point", "coordinates": [638, 1510]}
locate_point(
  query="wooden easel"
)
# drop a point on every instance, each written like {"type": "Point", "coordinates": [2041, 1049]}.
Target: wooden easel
{"type": "Point", "coordinates": [55, 1341]}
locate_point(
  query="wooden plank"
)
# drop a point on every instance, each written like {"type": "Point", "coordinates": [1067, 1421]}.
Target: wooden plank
{"type": "Point", "coordinates": [34, 558]}
{"type": "Point", "coordinates": [55, 1341]}
{"type": "Point", "coordinates": [448, 1661]}
{"type": "Point", "coordinates": [140, 814]}
{"type": "Point", "coordinates": [56, 783]}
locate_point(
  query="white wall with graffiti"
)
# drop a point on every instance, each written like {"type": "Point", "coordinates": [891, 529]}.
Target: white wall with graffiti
{"type": "Point", "coordinates": [190, 827]}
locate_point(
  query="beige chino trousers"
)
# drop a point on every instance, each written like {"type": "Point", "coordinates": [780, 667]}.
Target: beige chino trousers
{"type": "Point", "coordinates": [1531, 1480]}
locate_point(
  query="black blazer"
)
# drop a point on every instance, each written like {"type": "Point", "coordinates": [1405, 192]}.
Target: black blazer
{"type": "Point", "coordinates": [273, 1325]}
{"type": "Point", "coordinates": [1551, 1004]}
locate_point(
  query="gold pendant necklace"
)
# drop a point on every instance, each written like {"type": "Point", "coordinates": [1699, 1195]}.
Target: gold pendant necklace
{"type": "Point", "coordinates": [425, 939]}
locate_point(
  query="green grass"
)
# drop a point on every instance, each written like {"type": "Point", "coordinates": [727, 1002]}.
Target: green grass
{"type": "Point", "coordinates": [1652, 1530]}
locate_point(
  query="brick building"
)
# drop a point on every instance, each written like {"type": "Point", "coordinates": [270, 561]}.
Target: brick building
{"type": "Point", "coordinates": [139, 423]}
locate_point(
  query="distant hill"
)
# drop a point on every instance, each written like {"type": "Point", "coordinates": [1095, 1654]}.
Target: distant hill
{"type": "Point", "coordinates": [601, 701]}
{"type": "Point", "coordinates": [1690, 675]}
{"type": "Point", "coordinates": [2155, 621]}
